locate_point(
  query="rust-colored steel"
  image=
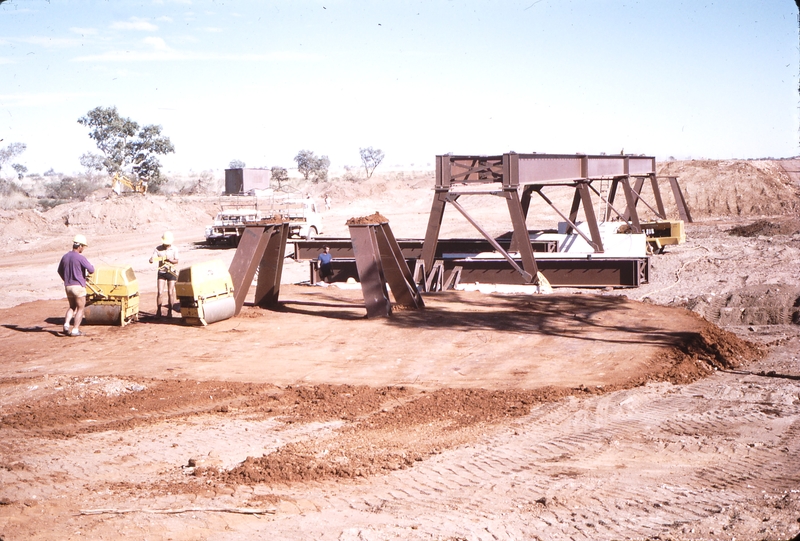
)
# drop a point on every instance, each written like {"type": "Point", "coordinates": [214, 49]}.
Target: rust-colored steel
{"type": "Point", "coordinates": [395, 269]}
{"type": "Point", "coordinates": [370, 271]}
{"type": "Point", "coordinates": [260, 245]}
{"type": "Point", "coordinates": [246, 260]}
{"type": "Point", "coordinates": [560, 272]}
{"type": "Point", "coordinates": [342, 248]}
{"type": "Point", "coordinates": [683, 208]}
{"type": "Point", "coordinates": [270, 267]}
{"type": "Point", "coordinates": [379, 260]}
{"type": "Point", "coordinates": [659, 210]}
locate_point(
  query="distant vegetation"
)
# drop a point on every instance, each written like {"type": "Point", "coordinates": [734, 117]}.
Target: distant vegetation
{"type": "Point", "coordinates": [309, 165]}
{"type": "Point", "coordinates": [371, 158]}
{"type": "Point", "coordinates": [126, 147]}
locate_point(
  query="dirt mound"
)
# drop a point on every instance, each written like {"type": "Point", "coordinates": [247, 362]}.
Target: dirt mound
{"type": "Point", "coordinates": [733, 188]}
{"type": "Point", "coordinates": [763, 304]}
{"type": "Point", "coordinates": [766, 228]}
{"type": "Point", "coordinates": [102, 216]}
{"type": "Point", "coordinates": [373, 219]}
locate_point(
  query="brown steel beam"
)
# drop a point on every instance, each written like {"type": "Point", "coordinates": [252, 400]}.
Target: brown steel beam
{"type": "Point", "coordinates": [247, 259]}
{"type": "Point", "coordinates": [434, 225]}
{"type": "Point", "coordinates": [570, 224]}
{"type": "Point", "coordinates": [662, 213]}
{"type": "Point", "coordinates": [526, 274]}
{"type": "Point", "coordinates": [683, 208]}
{"type": "Point", "coordinates": [560, 272]}
{"type": "Point", "coordinates": [531, 273]}
{"type": "Point", "coordinates": [631, 198]}
{"type": "Point", "coordinates": [591, 219]}
{"type": "Point", "coordinates": [342, 248]}
{"type": "Point", "coordinates": [370, 271]}
{"type": "Point", "coordinates": [395, 269]}
{"type": "Point", "coordinates": [270, 268]}
{"type": "Point", "coordinates": [609, 206]}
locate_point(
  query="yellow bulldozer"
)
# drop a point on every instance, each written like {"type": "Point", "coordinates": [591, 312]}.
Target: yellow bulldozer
{"type": "Point", "coordinates": [120, 181]}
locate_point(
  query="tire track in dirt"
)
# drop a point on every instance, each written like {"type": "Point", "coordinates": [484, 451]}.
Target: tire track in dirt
{"type": "Point", "coordinates": [522, 476]}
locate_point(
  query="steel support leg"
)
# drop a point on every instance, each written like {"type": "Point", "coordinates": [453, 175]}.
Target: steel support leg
{"type": "Point", "coordinates": [662, 213]}
{"type": "Point", "coordinates": [370, 272]}
{"type": "Point", "coordinates": [632, 215]}
{"type": "Point", "coordinates": [591, 217]}
{"type": "Point", "coordinates": [683, 208]}
{"type": "Point", "coordinates": [396, 270]}
{"type": "Point", "coordinates": [521, 232]}
{"type": "Point", "coordinates": [246, 261]}
{"type": "Point", "coordinates": [434, 225]}
{"type": "Point", "coordinates": [271, 267]}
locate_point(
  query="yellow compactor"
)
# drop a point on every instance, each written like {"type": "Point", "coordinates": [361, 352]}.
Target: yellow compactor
{"type": "Point", "coordinates": [205, 292]}
{"type": "Point", "coordinates": [663, 233]}
{"type": "Point", "coordinates": [112, 296]}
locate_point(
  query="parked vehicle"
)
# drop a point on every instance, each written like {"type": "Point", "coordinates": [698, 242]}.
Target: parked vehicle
{"type": "Point", "coordinates": [240, 211]}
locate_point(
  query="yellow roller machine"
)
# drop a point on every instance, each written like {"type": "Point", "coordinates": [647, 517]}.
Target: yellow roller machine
{"type": "Point", "coordinates": [112, 296]}
{"type": "Point", "coordinates": [663, 233]}
{"type": "Point", "coordinates": [205, 292]}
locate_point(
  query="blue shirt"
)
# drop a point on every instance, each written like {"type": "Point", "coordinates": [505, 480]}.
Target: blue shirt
{"type": "Point", "coordinates": [72, 267]}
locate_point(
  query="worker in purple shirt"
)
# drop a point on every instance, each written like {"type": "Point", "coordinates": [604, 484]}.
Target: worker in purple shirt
{"type": "Point", "coordinates": [73, 269]}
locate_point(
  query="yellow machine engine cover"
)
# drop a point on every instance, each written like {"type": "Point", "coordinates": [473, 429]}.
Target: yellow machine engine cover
{"type": "Point", "coordinates": [663, 233]}
{"type": "Point", "coordinates": [205, 292]}
{"type": "Point", "coordinates": [112, 296]}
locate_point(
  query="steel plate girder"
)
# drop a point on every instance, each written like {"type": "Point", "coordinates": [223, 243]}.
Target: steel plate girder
{"type": "Point", "coordinates": [396, 270]}
{"type": "Point", "coordinates": [246, 260]}
{"type": "Point", "coordinates": [370, 271]}
{"type": "Point", "coordinates": [342, 248]}
{"type": "Point", "coordinates": [595, 272]}
{"type": "Point", "coordinates": [270, 267]}
{"type": "Point", "coordinates": [559, 272]}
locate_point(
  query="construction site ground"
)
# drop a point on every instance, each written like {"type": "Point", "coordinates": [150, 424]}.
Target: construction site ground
{"type": "Point", "coordinates": [669, 411]}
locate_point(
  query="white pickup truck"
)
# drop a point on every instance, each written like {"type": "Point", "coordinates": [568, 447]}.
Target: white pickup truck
{"type": "Point", "coordinates": [304, 219]}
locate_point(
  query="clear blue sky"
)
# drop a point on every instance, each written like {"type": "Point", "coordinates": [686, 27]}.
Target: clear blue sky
{"type": "Point", "coordinates": [259, 81]}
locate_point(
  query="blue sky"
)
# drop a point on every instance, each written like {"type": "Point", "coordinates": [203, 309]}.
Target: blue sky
{"type": "Point", "coordinates": [259, 81]}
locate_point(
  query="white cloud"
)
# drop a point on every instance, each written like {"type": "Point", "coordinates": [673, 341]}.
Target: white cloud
{"type": "Point", "coordinates": [134, 23]}
{"type": "Point", "coordinates": [157, 43]}
{"type": "Point", "coordinates": [4, 60]}
{"type": "Point", "coordinates": [212, 29]}
{"type": "Point", "coordinates": [164, 19]}
{"type": "Point", "coordinates": [83, 31]}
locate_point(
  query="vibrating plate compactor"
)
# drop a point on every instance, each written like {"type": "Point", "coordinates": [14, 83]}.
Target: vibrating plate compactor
{"type": "Point", "coordinates": [205, 292]}
{"type": "Point", "coordinates": [112, 296]}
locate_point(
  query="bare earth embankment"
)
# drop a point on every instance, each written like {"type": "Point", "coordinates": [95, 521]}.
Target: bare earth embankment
{"type": "Point", "coordinates": [671, 411]}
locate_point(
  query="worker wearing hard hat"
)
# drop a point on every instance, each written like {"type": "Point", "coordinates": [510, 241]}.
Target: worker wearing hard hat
{"type": "Point", "coordinates": [73, 269]}
{"type": "Point", "coordinates": [166, 255]}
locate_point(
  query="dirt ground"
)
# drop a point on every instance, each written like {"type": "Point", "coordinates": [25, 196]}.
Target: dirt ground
{"type": "Point", "coordinates": [670, 411]}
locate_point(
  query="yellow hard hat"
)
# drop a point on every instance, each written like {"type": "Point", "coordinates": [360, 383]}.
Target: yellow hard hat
{"type": "Point", "coordinates": [167, 238]}
{"type": "Point", "coordinates": [80, 239]}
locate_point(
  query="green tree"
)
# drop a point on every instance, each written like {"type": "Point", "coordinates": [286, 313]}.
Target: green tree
{"type": "Point", "coordinates": [126, 146]}
{"type": "Point", "coordinates": [20, 169]}
{"type": "Point", "coordinates": [309, 165]}
{"type": "Point", "coordinates": [279, 175]}
{"type": "Point", "coordinates": [236, 164]}
{"type": "Point", "coordinates": [11, 151]}
{"type": "Point", "coordinates": [371, 158]}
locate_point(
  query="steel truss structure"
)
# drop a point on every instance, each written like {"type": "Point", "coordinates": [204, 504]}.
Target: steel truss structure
{"type": "Point", "coordinates": [517, 177]}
